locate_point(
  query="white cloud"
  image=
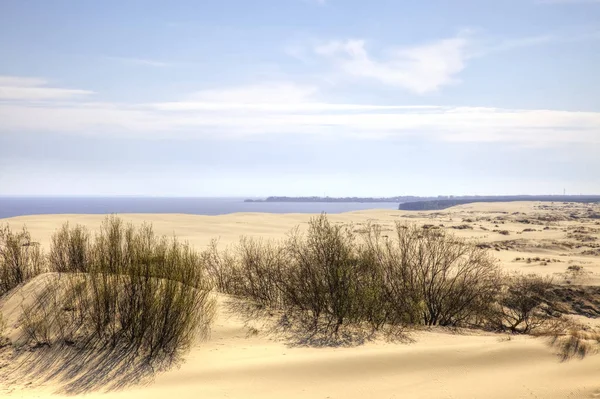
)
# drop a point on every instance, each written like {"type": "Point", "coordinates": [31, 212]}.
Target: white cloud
{"type": "Point", "coordinates": [19, 81]}
{"type": "Point", "coordinates": [279, 92]}
{"type": "Point", "coordinates": [422, 69]}
{"type": "Point", "coordinates": [33, 89]}
{"type": "Point", "coordinates": [282, 108]}
{"type": "Point", "coordinates": [143, 62]}
{"type": "Point", "coordinates": [511, 44]}
{"type": "Point", "coordinates": [277, 107]}
{"type": "Point", "coordinates": [299, 114]}
{"type": "Point", "coordinates": [558, 37]}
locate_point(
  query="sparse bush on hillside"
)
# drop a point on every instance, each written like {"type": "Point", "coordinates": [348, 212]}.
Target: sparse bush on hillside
{"type": "Point", "coordinates": [145, 293]}
{"type": "Point", "coordinates": [128, 287]}
{"type": "Point", "coordinates": [328, 276]}
{"type": "Point", "coordinates": [20, 258]}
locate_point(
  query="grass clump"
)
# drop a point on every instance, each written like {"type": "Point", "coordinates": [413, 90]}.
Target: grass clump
{"type": "Point", "coordinates": [576, 343]}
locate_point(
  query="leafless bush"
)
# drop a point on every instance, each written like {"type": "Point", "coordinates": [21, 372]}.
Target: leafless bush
{"type": "Point", "coordinates": [456, 282]}
{"type": "Point", "coordinates": [260, 267]}
{"type": "Point", "coordinates": [392, 296]}
{"type": "Point", "coordinates": [220, 266]}
{"type": "Point", "coordinates": [520, 304]}
{"type": "Point", "coordinates": [322, 275]}
{"type": "Point", "coordinates": [70, 249]}
{"type": "Point", "coordinates": [20, 258]}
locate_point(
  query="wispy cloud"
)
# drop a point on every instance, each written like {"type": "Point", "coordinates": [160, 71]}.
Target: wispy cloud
{"type": "Point", "coordinates": [34, 89]}
{"type": "Point", "coordinates": [567, 1]}
{"type": "Point", "coordinates": [516, 43]}
{"type": "Point", "coordinates": [285, 108]}
{"type": "Point", "coordinates": [143, 62]}
{"type": "Point", "coordinates": [18, 81]}
{"type": "Point", "coordinates": [275, 92]}
{"type": "Point", "coordinates": [422, 69]}
{"type": "Point", "coordinates": [273, 97]}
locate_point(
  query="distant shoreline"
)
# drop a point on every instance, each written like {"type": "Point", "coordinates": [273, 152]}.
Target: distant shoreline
{"type": "Point", "coordinates": [428, 205]}
{"type": "Point", "coordinates": [342, 199]}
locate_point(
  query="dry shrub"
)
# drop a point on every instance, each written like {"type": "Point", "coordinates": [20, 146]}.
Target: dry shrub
{"type": "Point", "coordinates": [323, 274]}
{"type": "Point", "coordinates": [328, 277]}
{"type": "Point", "coordinates": [220, 266]}
{"type": "Point", "coordinates": [520, 305]}
{"type": "Point", "coordinates": [145, 293]}
{"type": "Point", "coordinates": [259, 271]}
{"type": "Point", "coordinates": [456, 282]}
{"type": "Point", "coordinates": [20, 258]}
{"type": "Point", "coordinates": [70, 249]}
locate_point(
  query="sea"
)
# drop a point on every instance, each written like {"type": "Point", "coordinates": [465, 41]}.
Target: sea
{"type": "Point", "coordinates": [18, 206]}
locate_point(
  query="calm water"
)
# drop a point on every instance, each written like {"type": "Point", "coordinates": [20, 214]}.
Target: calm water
{"type": "Point", "coordinates": [13, 206]}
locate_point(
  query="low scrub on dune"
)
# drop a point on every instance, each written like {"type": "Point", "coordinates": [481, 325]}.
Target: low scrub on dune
{"type": "Point", "coordinates": [126, 288]}
{"type": "Point", "coordinates": [329, 277]}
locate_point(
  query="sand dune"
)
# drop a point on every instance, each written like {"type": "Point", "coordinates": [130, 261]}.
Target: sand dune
{"type": "Point", "coordinates": [437, 364]}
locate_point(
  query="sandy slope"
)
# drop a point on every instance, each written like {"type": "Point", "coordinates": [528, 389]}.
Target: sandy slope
{"type": "Point", "coordinates": [234, 364]}
{"type": "Point", "coordinates": [436, 365]}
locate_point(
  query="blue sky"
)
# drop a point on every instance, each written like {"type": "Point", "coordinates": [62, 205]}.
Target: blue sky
{"type": "Point", "coordinates": [299, 97]}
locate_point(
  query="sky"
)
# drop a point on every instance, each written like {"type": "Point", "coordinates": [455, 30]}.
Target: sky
{"type": "Point", "coordinates": [254, 98]}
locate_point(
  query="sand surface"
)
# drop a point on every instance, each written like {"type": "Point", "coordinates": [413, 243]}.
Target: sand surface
{"type": "Point", "coordinates": [233, 363]}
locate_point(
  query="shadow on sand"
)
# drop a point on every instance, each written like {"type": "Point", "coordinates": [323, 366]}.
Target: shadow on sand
{"type": "Point", "coordinates": [299, 331]}
{"type": "Point", "coordinates": [83, 368]}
